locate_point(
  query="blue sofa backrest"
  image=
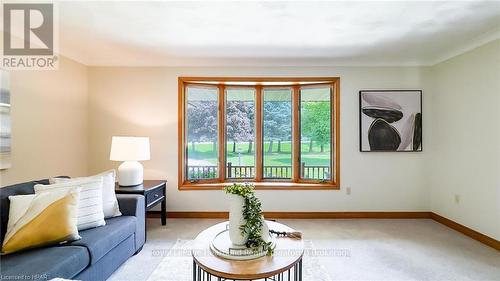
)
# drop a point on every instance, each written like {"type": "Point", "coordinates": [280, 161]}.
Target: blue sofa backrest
{"type": "Point", "coordinates": [16, 189]}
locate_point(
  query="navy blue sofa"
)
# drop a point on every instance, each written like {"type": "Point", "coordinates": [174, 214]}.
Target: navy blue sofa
{"type": "Point", "coordinates": [94, 257]}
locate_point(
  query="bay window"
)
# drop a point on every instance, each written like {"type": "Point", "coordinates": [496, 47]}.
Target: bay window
{"type": "Point", "coordinates": [279, 133]}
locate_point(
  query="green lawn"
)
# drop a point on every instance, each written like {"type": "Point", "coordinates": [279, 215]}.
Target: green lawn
{"type": "Point", "coordinates": [204, 152]}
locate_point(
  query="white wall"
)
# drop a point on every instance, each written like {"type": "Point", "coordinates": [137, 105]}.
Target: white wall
{"type": "Point", "coordinates": [49, 123]}
{"type": "Point", "coordinates": [464, 150]}
{"type": "Point", "coordinates": [143, 101]}
{"type": "Point", "coordinates": [63, 122]}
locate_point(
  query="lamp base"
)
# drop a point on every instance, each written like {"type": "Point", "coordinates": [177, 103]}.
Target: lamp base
{"type": "Point", "coordinates": [130, 173]}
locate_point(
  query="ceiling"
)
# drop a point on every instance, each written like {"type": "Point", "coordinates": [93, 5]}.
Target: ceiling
{"type": "Point", "coordinates": [139, 33]}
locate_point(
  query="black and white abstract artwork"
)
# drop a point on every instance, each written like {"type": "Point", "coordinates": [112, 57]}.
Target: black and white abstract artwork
{"type": "Point", "coordinates": [390, 120]}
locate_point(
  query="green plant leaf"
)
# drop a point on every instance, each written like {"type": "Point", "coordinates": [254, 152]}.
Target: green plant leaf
{"type": "Point", "coordinates": [252, 214]}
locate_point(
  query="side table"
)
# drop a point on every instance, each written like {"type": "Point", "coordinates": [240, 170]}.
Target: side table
{"type": "Point", "coordinates": [154, 192]}
{"type": "Point", "coordinates": [285, 264]}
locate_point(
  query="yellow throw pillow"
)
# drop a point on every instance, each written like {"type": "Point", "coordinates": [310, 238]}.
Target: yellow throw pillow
{"type": "Point", "coordinates": [40, 220]}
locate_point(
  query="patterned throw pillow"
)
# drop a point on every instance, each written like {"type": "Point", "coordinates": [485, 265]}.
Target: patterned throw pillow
{"type": "Point", "coordinates": [41, 219]}
{"type": "Point", "coordinates": [109, 201]}
{"type": "Point", "coordinates": [90, 213]}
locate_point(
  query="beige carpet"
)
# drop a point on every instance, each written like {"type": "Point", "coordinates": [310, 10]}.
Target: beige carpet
{"type": "Point", "coordinates": [359, 249]}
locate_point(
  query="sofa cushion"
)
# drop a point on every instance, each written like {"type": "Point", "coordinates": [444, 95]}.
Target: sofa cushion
{"type": "Point", "coordinates": [45, 263]}
{"type": "Point", "coordinates": [99, 241]}
{"type": "Point", "coordinates": [5, 192]}
{"type": "Point", "coordinates": [37, 220]}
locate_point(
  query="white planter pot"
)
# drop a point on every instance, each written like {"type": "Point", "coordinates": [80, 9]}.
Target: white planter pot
{"type": "Point", "coordinates": [236, 220]}
{"type": "Point", "coordinates": [264, 232]}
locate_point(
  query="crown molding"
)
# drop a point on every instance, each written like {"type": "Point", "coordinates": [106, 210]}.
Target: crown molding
{"type": "Point", "coordinates": [476, 42]}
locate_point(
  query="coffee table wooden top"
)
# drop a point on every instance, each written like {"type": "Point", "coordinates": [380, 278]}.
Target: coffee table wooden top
{"type": "Point", "coordinates": [287, 253]}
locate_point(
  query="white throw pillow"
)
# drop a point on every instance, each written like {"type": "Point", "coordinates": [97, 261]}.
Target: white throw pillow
{"type": "Point", "coordinates": [90, 212]}
{"type": "Point", "coordinates": [109, 201]}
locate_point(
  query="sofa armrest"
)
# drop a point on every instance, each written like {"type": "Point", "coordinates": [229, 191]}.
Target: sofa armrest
{"type": "Point", "coordinates": [131, 204]}
{"type": "Point", "coordinates": [134, 205]}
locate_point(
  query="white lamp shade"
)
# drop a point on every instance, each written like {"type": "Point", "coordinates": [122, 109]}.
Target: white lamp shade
{"type": "Point", "coordinates": [129, 149]}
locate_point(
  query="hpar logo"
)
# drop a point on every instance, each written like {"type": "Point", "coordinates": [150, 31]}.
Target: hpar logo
{"type": "Point", "coordinates": [29, 36]}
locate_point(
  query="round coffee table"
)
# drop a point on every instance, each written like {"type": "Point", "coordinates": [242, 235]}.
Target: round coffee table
{"type": "Point", "coordinates": [284, 264]}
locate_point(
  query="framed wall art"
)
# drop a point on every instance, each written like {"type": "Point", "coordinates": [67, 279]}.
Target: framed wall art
{"type": "Point", "coordinates": [390, 120]}
{"type": "Point", "coordinates": [5, 125]}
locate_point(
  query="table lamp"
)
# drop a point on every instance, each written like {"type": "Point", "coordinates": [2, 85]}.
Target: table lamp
{"type": "Point", "coordinates": [130, 150]}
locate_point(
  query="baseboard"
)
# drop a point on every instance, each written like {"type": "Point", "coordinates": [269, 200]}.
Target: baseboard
{"type": "Point", "coordinates": [196, 215]}
{"type": "Point", "coordinates": [346, 215]}
{"type": "Point", "coordinates": [301, 215]}
{"type": "Point", "coordinates": [467, 231]}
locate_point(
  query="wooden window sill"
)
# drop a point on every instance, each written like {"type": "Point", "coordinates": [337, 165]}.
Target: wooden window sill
{"type": "Point", "coordinates": [263, 186]}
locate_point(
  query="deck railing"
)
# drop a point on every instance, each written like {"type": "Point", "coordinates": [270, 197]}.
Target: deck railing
{"type": "Point", "coordinates": [202, 172]}
{"type": "Point", "coordinates": [317, 172]}
{"type": "Point", "coordinates": [239, 172]}
{"type": "Point", "coordinates": [277, 172]}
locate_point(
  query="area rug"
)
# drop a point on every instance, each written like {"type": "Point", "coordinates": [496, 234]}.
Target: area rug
{"type": "Point", "coordinates": [177, 265]}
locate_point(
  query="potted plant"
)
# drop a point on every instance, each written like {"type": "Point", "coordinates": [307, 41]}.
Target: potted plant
{"type": "Point", "coordinates": [246, 223]}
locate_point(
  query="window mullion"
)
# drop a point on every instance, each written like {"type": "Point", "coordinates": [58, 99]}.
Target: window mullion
{"type": "Point", "coordinates": [258, 133]}
{"type": "Point", "coordinates": [334, 149]}
{"type": "Point", "coordinates": [296, 134]}
{"type": "Point", "coordinates": [222, 135]}
{"type": "Point", "coordinates": [183, 173]}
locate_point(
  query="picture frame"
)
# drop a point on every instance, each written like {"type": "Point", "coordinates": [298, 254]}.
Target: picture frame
{"type": "Point", "coordinates": [390, 121]}
{"type": "Point", "coordinates": [5, 122]}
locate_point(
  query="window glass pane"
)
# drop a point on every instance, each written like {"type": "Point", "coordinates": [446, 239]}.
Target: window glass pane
{"type": "Point", "coordinates": [240, 133]}
{"type": "Point", "coordinates": [201, 133]}
{"type": "Point", "coordinates": [277, 133]}
{"type": "Point", "coordinates": [315, 133]}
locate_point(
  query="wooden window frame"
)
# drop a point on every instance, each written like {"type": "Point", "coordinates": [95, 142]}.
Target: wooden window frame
{"type": "Point", "coordinates": [271, 180]}
{"type": "Point", "coordinates": [260, 83]}
{"type": "Point", "coordinates": [257, 141]}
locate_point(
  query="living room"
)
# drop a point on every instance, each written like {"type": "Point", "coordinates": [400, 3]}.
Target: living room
{"type": "Point", "coordinates": [342, 140]}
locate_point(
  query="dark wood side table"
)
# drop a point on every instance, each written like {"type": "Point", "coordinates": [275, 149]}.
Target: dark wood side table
{"type": "Point", "coordinates": [154, 191]}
